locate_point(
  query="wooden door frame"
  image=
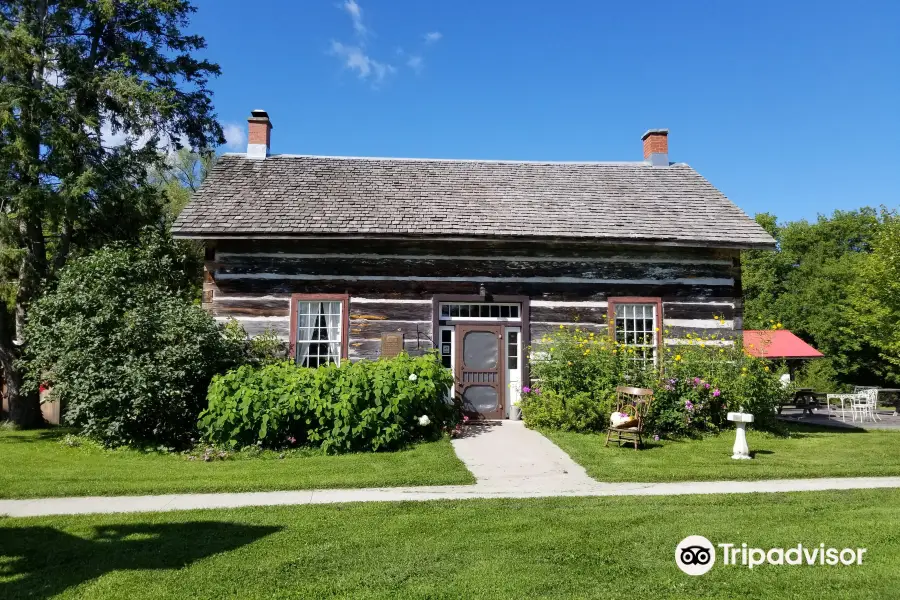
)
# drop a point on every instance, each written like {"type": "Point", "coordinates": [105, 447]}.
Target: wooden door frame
{"type": "Point", "coordinates": [497, 328]}
{"type": "Point", "coordinates": [524, 313]}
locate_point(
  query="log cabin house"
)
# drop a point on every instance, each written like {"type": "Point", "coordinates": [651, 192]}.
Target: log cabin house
{"type": "Point", "coordinates": [356, 258]}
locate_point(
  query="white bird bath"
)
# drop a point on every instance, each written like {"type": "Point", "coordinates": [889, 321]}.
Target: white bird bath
{"type": "Point", "coordinates": [740, 451]}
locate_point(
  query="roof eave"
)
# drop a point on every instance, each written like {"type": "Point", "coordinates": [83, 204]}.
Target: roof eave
{"type": "Point", "coordinates": [610, 241]}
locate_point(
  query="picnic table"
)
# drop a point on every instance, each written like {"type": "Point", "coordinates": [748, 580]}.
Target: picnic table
{"type": "Point", "coordinates": [805, 398]}
{"type": "Point", "coordinates": [896, 392]}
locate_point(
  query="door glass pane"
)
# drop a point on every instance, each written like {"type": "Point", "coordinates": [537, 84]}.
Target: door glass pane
{"type": "Point", "coordinates": [482, 398]}
{"type": "Point", "coordinates": [481, 350]}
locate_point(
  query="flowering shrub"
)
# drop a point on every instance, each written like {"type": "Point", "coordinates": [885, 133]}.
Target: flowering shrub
{"type": "Point", "coordinates": [358, 406]}
{"type": "Point", "coordinates": [578, 372]}
{"type": "Point", "coordinates": [695, 384]}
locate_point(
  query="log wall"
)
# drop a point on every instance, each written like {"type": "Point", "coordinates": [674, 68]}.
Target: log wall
{"type": "Point", "coordinates": [391, 284]}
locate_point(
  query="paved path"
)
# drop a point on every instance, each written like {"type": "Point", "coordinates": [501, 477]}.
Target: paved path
{"type": "Point", "coordinates": [506, 455]}
{"type": "Point", "coordinates": [508, 461]}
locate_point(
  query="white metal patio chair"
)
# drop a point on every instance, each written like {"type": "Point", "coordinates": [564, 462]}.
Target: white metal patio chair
{"type": "Point", "coordinates": [866, 405]}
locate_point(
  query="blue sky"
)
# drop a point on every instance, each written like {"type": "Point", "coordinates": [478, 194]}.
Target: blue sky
{"type": "Point", "coordinates": [787, 107]}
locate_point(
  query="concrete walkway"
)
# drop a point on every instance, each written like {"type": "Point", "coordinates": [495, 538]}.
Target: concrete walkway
{"type": "Point", "coordinates": [508, 461]}
{"type": "Point", "coordinates": [505, 455]}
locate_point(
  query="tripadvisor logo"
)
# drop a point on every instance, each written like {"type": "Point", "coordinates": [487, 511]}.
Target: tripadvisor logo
{"type": "Point", "coordinates": [696, 555]}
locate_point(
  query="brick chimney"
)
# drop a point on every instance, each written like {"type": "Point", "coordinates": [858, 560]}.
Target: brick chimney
{"type": "Point", "coordinates": [656, 147]}
{"type": "Point", "coordinates": [259, 134]}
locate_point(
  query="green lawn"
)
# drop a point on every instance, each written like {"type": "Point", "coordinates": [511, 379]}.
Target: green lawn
{"type": "Point", "coordinates": [559, 548]}
{"type": "Point", "coordinates": [38, 464]}
{"type": "Point", "coordinates": [806, 452]}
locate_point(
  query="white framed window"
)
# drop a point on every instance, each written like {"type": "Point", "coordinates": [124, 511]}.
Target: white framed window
{"type": "Point", "coordinates": [318, 325]}
{"type": "Point", "coordinates": [636, 324]}
{"type": "Point", "coordinates": [480, 311]}
{"type": "Point", "coordinates": [446, 347]}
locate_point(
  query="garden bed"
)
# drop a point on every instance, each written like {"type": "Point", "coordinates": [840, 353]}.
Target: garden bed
{"type": "Point", "coordinates": [805, 452]}
{"type": "Point", "coordinates": [40, 464]}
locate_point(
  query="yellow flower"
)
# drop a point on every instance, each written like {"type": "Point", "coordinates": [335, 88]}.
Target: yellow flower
{"type": "Point", "coordinates": [744, 370]}
{"type": "Point", "coordinates": [569, 363]}
{"type": "Point", "coordinates": [591, 335]}
{"type": "Point", "coordinates": [656, 329]}
{"type": "Point", "coordinates": [778, 325]}
{"type": "Point", "coordinates": [766, 369]}
{"type": "Point", "coordinates": [562, 326]}
{"type": "Point", "coordinates": [677, 357]}
{"type": "Point", "coordinates": [702, 344]}
{"type": "Point", "coordinates": [721, 351]}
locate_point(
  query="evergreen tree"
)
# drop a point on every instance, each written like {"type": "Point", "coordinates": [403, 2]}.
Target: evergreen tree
{"type": "Point", "coordinates": [90, 92]}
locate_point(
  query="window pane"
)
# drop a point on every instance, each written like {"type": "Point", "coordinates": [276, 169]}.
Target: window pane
{"type": "Point", "coordinates": [480, 350]}
{"type": "Point", "coordinates": [454, 310]}
{"type": "Point", "coordinates": [464, 310]}
{"type": "Point", "coordinates": [495, 311]}
{"type": "Point", "coordinates": [445, 360]}
{"type": "Point", "coordinates": [504, 312]}
{"type": "Point", "coordinates": [445, 335]}
{"type": "Point", "coordinates": [445, 311]}
{"type": "Point", "coordinates": [514, 338]}
{"type": "Point", "coordinates": [318, 333]}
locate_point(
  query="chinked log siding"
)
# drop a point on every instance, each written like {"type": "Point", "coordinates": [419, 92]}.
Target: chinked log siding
{"type": "Point", "coordinates": [369, 329]}
{"type": "Point", "coordinates": [568, 314]}
{"type": "Point", "coordinates": [392, 283]}
{"type": "Point", "coordinates": [400, 288]}
{"type": "Point", "coordinates": [371, 349]}
{"type": "Point", "coordinates": [424, 247]}
{"type": "Point", "coordinates": [400, 311]}
{"type": "Point", "coordinates": [453, 268]}
{"type": "Point", "coordinates": [255, 326]}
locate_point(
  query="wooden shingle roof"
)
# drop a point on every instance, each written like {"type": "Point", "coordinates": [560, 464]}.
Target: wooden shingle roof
{"type": "Point", "coordinates": [608, 202]}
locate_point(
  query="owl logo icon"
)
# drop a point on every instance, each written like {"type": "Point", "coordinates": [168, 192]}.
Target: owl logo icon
{"type": "Point", "coordinates": [695, 555]}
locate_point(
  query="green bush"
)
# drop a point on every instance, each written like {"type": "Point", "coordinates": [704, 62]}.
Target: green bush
{"type": "Point", "coordinates": [358, 406]}
{"type": "Point", "coordinates": [695, 385]}
{"type": "Point", "coordinates": [123, 346]}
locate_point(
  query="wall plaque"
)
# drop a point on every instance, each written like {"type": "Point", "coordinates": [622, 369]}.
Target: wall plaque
{"type": "Point", "coordinates": [391, 344]}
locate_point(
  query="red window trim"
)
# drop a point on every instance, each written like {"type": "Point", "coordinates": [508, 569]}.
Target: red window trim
{"type": "Point", "coordinates": [611, 313]}
{"type": "Point", "coordinates": [345, 318]}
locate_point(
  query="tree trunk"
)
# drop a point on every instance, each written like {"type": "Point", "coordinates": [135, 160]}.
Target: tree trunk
{"type": "Point", "coordinates": [24, 407]}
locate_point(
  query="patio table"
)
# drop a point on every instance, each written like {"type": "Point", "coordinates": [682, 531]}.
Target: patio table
{"type": "Point", "coordinates": [842, 398]}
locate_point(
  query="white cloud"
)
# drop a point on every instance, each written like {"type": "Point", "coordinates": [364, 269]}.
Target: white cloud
{"type": "Point", "coordinates": [235, 136]}
{"type": "Point", "coordinates": [353, 9]}
{"type": "Point", "coordinates": [416, 63]}
{"type": "Point", "coordinates": [111, 139]}
{"type": "Point", "coordinates": [356, 59]}
{"type": "Point", "coordinates": [433, 36]}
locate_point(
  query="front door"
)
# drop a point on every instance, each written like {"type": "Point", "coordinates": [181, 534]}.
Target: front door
{"type": "Point", "coordinates": [480, 367]}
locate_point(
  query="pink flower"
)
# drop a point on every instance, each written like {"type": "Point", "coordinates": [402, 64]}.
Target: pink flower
{"type": "Point", "coordinates": [707, 386]}
{"type": "Point", "coordinates": [292, 439]}
{"type": "Point", "coordinates": [538, 392]}
{"type": "Point", "coordinates": [655, 438]}
{"type": "Point", "coordinates": [716, 392]}
{"type": "Point", "coordinates": [526, 389]}
{"type": "Point", "coordinates": [465, 419]}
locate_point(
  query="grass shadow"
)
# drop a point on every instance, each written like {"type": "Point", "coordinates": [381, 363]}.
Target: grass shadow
{"type": "Point", "coordinates": [43, 561]}
{"type": "Point", "coordinates": [30, 436]}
